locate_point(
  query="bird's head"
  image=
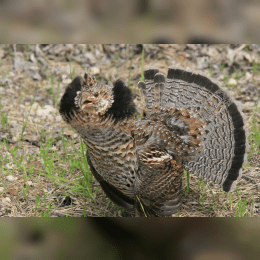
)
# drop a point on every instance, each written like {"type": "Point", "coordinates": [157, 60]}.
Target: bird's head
{"type": "Point", "coordinates": [89, 97]}
{"type": "Point", "coordinates": [94, 97]}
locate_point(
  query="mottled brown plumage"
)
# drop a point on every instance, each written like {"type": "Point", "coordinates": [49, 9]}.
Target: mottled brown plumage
{"type": "Point", "coordinates": [190, 123]}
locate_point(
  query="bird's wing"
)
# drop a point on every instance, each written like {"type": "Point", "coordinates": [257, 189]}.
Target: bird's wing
{"type": "Point", "coordinates": [158, 182]}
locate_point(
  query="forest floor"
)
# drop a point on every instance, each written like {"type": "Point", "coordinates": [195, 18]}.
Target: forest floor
{"type": "Point", "coordinates": [43, 171]}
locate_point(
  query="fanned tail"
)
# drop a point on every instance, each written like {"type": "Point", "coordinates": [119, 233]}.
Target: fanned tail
{"type": "Point", "coordinates": [224, 137]}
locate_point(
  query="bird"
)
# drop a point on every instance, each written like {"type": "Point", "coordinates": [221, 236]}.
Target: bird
{"type": "Point", "coordinates": [189, 122]}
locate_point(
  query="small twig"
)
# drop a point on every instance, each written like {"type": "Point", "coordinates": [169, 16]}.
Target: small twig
{"type": "Point", "coordinates": [240, 48]}
{"type": "Point", "coordinates": [248, 178]}
{"type": "Point", "coordinates": [47, 198]}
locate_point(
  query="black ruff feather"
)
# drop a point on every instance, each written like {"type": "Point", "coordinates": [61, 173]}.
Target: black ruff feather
{"type": "Point", "coordinates": [67, 102]}
{"type": "Point", "coordinates": [123, 106]}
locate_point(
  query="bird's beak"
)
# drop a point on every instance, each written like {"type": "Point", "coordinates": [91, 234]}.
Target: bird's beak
{"type": "Point", "coordinates": [86, 104]}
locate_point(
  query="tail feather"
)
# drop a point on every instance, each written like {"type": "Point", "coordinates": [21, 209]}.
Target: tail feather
{"type": "Point", "coordinates": [149, 74]}
{"type": "Point", "coordinates": [225, 135]}
{"type": "Point", "coordinates": [142, 89]}
{"type": "Point", "coordinates": [159, 83]}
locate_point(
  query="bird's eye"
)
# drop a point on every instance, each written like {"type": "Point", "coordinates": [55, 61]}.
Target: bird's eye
{"type": "Point", "coordinates": [96, 95]}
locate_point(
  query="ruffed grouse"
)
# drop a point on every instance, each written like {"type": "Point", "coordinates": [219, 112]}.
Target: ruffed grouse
{"type": "Point", "coordinates": [189, 122]}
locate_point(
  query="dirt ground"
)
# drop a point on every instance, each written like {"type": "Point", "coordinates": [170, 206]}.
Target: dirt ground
{"type": "Point", "coordinates": [42, 170]}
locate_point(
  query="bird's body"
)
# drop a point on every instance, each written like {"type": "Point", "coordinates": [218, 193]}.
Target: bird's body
{"type": "Point", "coordinates": [189, 123]}
{"type": "Point", "coordinates": [112, 153]}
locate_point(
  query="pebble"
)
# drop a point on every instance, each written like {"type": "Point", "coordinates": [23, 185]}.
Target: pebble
{"type": "Point", "coordinates": [90, 57]}
{"type": "Point", "coordinates": [249, 105]}
{"type": "Point", "coordinates": [58, 118]}
{"type": "Point", "coordinates": [11, 74]}
{"type": "Point", "coordinates": [95, 70]}
{"type": "Point", "coordinates": [1, 189]}
{"type": "Point", "coordinates": [53, 148]}
{"type": "Point", "coordinates": [66, 81]}
{"type": "Point", "coordinates": [68, 132]}
{"type": "Point", "coordinates": [232, 82]}
{"type": "Point", "coordinates": [5, 81]}
{"type": "Point", "coordinates": [14, 139]}
{"type": "Point", "coordinates": [30, 183]}
{"type": "Point", "coordinates": [36, 76]}
{"type": "Point", "coordinates": [64, 77]}
{"type": "Point", "coordinates": [248, 76]}
{"type": "Point", "coordinates": [11, 178]}
{"type": "Point", "coordinates": [49, 102]}
{"type": "Point", "coordinates": [45, 111]}
{"type": "Point", "coordinates": [7, 199]}
{"type": "Point", "coordinates": [20, 63]}
{"type": "Point", "coordinates": [10, 166]}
